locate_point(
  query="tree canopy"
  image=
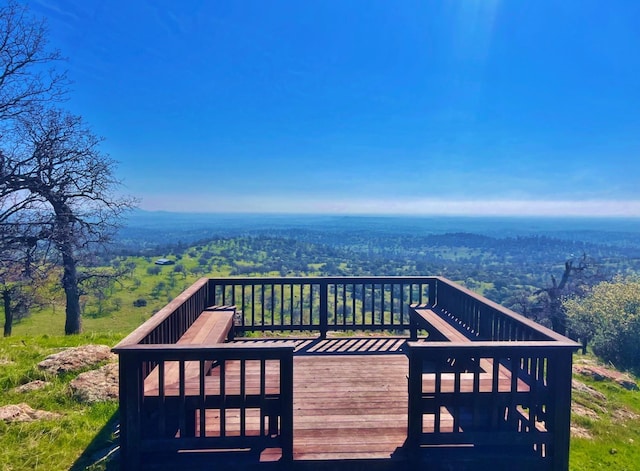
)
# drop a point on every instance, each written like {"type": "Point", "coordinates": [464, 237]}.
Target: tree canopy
{"type": "Point", "coordinates": [609, 318]}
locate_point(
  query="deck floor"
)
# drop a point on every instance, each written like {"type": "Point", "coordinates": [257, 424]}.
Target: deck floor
{"type": "Point", "coordinates": [349, 399]}
{"type": "Point", "coordinates": [349, 407]}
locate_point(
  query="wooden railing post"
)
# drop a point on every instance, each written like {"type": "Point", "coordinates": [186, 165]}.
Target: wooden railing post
{"type": "Point", "coordinates": [324, 308]}
{"type": "Point", "coordinates": [130, 383]}
{"type": "Point", "coordinates": [432, 293]}
{"type": "Point", "coordinates": [414, 419]}
{"type": "Point", "coordinates": [413, 325]}
{"type": "Point", "coordinates": [286, 392]}
{"type": "Point", "coordinates": [560, 375]}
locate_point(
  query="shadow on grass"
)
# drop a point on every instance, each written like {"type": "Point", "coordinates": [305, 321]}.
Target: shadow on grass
{"type": "Point", "coordinates": [102, 453]}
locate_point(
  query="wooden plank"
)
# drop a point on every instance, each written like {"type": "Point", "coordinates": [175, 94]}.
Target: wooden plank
{"type": "Point", "coordinates": [210, 327]}
{"type": "Point", "coordinates": [442, 326]}
{"type": "Point", "coordinates": [350, 406]}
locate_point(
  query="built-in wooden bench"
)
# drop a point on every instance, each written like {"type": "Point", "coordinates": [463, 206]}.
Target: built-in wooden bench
{"type": "Point", "coordinates": [440, 329]}
{"type": "Point", "coordinates": [436, 325]}
{"type": "Point", "coordinates": [213, 326]}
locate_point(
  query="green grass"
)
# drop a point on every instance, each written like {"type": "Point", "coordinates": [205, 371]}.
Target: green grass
{"type": "Point", "coordinates": [615, 432]}
{"type": "Point", "coordinates": [61, 444]}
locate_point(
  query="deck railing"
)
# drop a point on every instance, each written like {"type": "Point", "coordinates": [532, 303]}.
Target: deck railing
{"type": "Point", "coordinates": [485, 319]}
{"type": "Point", "coordinates": [511, 382]}
{"type": "Point", "coordinates": [322, 304]}
{"type": "Point", "coordinates": [204, 412]}
{"type": "Point", "coordinates": [488, 397]}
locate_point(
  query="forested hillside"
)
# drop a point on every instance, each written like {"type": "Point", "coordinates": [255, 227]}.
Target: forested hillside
{"type": "Point", "coordinates": [511, 262]}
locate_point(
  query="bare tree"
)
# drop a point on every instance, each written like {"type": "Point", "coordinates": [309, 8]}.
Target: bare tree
{"type": "Point", "coordinates": [72, 190]}
{"type": "Point", "coordinates": [29, 78]}
{"type": "Point", "coordinates": [577, 277]}
{"type": "Point", "coordinates": [58, 192]}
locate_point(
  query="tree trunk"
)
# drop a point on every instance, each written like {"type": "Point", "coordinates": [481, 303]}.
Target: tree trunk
{"type": "Point", "coordinates": [73, 320]}
{"type": "Point", "coordinates": [8, 313]}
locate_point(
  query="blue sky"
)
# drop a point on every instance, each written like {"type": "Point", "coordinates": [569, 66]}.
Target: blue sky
{"type": "Point", "coordinates": [409, 107]}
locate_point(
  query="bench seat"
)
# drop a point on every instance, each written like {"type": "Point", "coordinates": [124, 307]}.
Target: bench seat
{"type": "Point", "coordinates": [213, 326]}
{"type": "Point", "coordinates": [437, 326]}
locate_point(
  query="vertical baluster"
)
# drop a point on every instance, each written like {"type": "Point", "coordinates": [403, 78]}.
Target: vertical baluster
{"type": "Point", "coordinates": [253, 305]}
{"type": "Point", "coordinates": [311, 302]}
{"type": "Point", "coordinates": [273, 307]}
{"type": "Point", "coordinates": [339, 319]}
{"type": "Point", "coordinates": [373, 304]}
{"type": "Point", "coordinates": [344, 304]}
{"type": "Point", "coordinates": [533, 391]}
{"type": "Point", "coordinates": [263, 395]}
{"type": "Point", "coordinates": [362, 308]}
{"type": "Point", "coordinates": [182, 412]}
{"type": "Point", "coordinates": [354, 304]}
{"type": "Point", "coordinates": [391, 286]}
{"type": "Point", "coordinates": [440, 360]}
{"type": "Point", "coordinates": [515, 372]}
{"type": "Point", "coordinates": [162, 399]}
{"type": "Point", "coordinates": [291, 298]}
{"type": "Point", "coordinates": [495, 396]}
{"type": "Point", "coordinates": [477, 412]}
{"type": "Point", "coordinates": [301, 322]}
{"type": "Point", "coordinates": [223, 399]}
{"type": "Point", "coordinates": [243, 306]}
{"type": "Point", "coordinates": [243, 397]}
{"type": "Point", "coordinates": [383, 305]}
{"type": "Point", "coordinates": [201, 400]}
{"type": "Point", "coordinates": [456, 395]}
{"type": "Point", "coordinates": [281, 304]}
{"type": "Point", "coordinates": [262, 306]}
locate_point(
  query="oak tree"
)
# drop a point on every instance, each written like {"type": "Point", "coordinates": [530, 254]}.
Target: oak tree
{"type": "Point", "coordinates": [58, 190]}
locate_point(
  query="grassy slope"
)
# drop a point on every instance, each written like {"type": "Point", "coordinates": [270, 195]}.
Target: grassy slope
{"type": "Point", "coordinates": [70, 442]}
{"type": "Point", "coordinates": [48, 444]}
{"type": "Point", "coordinates": [614, 429]}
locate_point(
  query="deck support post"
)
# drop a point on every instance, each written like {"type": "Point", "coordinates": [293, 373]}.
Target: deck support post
{"type": "Point", "coordinates": [286, 391]}
{"type": "Point", "coordinates": [130, 381]}
{"type": "Point", "coordinates": [414, 419]}
{"type": "Point", "coordinates": [560, 374]}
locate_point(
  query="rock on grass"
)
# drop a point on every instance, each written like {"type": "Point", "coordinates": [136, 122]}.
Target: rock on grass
{"type": "Point", "coordinates": [31, 386]}
{"type": "Point", "coordinates": [600, 373]}
{"type": "Point", "coordinates": [76, 358]}
{"type": "Point", "coordinates": [97, 385]}
{"type": "Point", "coordinates": [24, 413]}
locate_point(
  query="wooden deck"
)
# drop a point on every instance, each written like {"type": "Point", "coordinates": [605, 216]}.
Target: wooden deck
{"type": "Point", "coordinates": [488, 389]}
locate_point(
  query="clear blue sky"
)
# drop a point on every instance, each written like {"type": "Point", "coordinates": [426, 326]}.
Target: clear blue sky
{"type": "Point", "coordinates": [470, 106]}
